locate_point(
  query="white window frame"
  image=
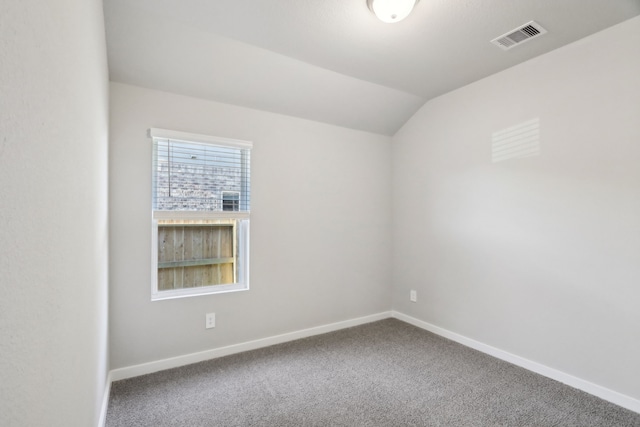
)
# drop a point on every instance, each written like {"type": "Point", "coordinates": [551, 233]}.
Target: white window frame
{"type": "Point", "coordinates": [243, 259]}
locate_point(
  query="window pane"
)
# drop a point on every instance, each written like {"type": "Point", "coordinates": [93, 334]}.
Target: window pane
{"type": "Point", "coordinates": [193, 176]}
{"type": "Point", "coordinates": [230, 201]}
{"type": "Point", "coordinates": [199, 253]}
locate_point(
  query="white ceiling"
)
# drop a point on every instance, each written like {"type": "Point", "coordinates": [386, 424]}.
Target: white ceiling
{"type": "Point", "coordinates": [332, 60]}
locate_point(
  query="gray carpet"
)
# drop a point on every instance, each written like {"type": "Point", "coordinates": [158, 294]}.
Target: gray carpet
{"type": "Point", "coordinates": [386, 373]}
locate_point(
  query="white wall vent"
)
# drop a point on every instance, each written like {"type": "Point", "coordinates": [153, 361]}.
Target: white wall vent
{"type": "Point", "coordinates": [520, 35]}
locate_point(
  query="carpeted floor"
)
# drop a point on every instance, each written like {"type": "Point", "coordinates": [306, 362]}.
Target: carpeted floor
{"type": "Point", "coordinates": [386, 373]}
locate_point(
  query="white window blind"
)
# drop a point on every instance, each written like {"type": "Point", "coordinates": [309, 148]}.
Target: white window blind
{"type": "Point", "coordinates": [199, 173]}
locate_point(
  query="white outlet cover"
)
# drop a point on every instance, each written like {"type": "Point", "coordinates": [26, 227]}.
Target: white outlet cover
{"type": "Point", "coordinates": [210, 320]}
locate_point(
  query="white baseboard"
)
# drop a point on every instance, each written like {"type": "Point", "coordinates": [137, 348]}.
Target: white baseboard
{"type": "Point", "coordinates": [575, 382]}
{"type": "Point", "coordinates": [174, 362]}
{"type": "Point", "coordinates": [187, 359]}
{"type": "Point", "coordinates": [102, 421]}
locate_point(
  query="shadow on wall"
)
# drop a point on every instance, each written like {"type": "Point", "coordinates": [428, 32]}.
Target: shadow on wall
{"type": "Point", "coordinates": [521, 140]}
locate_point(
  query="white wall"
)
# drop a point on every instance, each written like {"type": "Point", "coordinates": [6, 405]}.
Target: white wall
{"type": "Point", "coordinates": [320, 228]}
{"type": "Point", "coordinates": [53, 213]}
{"type": "Point", "coordinates": [537, 256]}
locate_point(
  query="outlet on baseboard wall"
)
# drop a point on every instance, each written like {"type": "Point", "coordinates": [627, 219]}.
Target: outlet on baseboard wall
{"type": "Point", "coordinates": [210, 320]}
{"type": "Point", "coordinates": [413, 295]}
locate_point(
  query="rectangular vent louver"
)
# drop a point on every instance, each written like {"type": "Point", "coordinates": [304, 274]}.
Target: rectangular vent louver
{"type": "Point", "coordinates": [519, 35]}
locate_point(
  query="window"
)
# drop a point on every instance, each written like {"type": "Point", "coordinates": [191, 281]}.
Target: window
{"type": "Point", "coordinates": [230, 201]}
{"type": "Point", "coordinates": [200, 214]}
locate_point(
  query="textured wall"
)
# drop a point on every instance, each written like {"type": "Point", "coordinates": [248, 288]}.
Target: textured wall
{"type": "Point", "coordinates": [53, 213]}
{"type": "Point", "coordinates": [537, 256]}
{"type": "Point", "coordinates": [320, 228]}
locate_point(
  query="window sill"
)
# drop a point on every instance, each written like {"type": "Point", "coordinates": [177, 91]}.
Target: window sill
{"type": "Point", "coordinates": [194, 292]}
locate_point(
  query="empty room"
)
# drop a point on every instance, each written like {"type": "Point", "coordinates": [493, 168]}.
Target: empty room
{"type": "Point", "coordinates": [328, 213]}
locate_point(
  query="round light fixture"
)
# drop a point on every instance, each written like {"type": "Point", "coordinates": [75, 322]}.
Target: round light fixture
{"type": "Point", "coordinates": [391, 10]}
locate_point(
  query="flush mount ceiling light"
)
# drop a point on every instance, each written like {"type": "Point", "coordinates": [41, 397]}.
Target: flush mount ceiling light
{"type": "Point", "coordinates": [391, 10]}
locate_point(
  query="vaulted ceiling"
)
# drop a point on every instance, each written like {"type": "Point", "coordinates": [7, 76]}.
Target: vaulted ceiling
{"type": "Point", "coordinates": [332, 60]}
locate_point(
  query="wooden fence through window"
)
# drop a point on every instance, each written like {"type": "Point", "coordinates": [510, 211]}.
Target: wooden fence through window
{"type": "Point", "coordinates": [196, 253]}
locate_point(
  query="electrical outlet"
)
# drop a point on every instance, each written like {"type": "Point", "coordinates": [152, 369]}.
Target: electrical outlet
{"type": "Point", "coordinates": [210, 320]}
{"type": "Point", "coordinates": [413, 296]}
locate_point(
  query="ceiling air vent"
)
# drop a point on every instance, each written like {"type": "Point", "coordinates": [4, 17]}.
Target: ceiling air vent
{"type": "Point", "coordinates": [519, 35]}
